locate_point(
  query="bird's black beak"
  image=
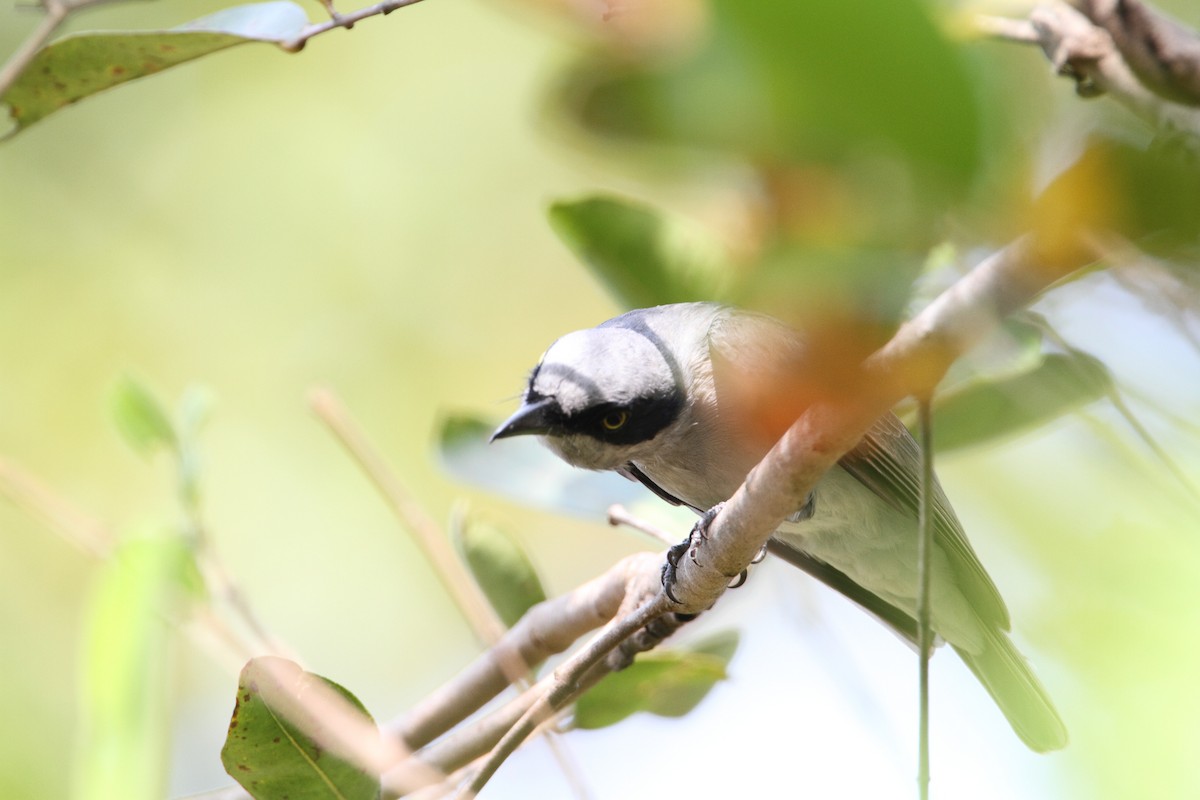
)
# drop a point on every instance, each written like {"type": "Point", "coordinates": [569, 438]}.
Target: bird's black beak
{"type": "Point", "coordinates": [531, 418]}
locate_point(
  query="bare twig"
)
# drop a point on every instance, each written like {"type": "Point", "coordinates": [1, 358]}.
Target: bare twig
{"type": "Point", "coordinates": [425, 531]}
{"type": "Point", "coordinates": [619, 515]}
{"type": "Point", "coordinates": [34, 498]}
{"type": "Point", "coordinates": [924, 632]}
{"type": "Point", "coordinates": [346, 21]}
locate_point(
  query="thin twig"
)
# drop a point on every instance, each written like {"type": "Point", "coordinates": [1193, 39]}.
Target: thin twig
{"type": "Point", "coordinates": [567, 764]}
{"type": "Point", "coordinates": [1007, 29]}
{"type": "Point", "coordinates": [38, 501]}
{"type": "Point", "coordinates": [619, 515]}
{"type": "Point", "coordinates": [1113, 393]}
{"type": "Point", "coordinates": [924, 631]}
{"type": "Point", "coordinates": [343, 21]}
{"type": "Point", "coordinates": [425, 531]}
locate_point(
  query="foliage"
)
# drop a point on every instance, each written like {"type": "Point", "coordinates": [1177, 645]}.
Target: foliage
{"type": "Point", "coordinates": [667, 683]}
{"type": "Point", "coordinates": [501, 568]}
{"type": "Point", "coordinates": [277, 749]}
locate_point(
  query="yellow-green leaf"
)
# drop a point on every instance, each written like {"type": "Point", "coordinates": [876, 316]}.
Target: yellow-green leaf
{"type": "Point", "coordinates": [279, 743]}
{"type": "Point", "coordinates": [500, 567]}
{"type": "Point", "coordinates": [666, 683]}
{"type": "Point", "coordinates": [141, 418]}
{"type": "Point", "coordinates": [81, 65]}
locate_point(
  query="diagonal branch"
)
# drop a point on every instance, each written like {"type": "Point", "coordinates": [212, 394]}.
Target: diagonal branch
{"type": "Point", "coordinates": [913, 362]}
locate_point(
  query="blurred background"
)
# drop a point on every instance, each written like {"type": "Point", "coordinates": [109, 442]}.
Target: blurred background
{"type": "Point", "coordinates": [370, 215]}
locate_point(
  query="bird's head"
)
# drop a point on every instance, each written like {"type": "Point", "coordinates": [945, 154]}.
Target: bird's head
{"type": "Point", "coordinates": [601, 396]}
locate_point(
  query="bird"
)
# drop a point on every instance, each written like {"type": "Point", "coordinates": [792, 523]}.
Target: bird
{"type": "Point", "coordinates": [686, 398]}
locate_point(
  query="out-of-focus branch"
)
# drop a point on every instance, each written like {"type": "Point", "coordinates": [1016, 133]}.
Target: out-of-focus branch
{"type": "Point", "coordinates": [912, 363]}
{"type": "Point", "coordinates": [34, 498]}
{"type": "Point", "coordinates": [424, 530]}
{"type": "Point", "coordinates": [1108, 51]}
{"type": "Point", "coordinates": [1162, 53]}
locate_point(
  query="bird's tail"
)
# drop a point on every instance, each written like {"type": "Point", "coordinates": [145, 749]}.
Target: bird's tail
{"type": "Point", "coordinates": [1018, 692]}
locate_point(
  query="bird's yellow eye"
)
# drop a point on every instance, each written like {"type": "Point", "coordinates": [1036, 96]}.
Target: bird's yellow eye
{"type": "Point", "coordinates": [613, 420]}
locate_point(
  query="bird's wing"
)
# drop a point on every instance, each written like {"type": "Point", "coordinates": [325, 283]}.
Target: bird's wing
{"type": "Point", "coordinates": [888, 462]}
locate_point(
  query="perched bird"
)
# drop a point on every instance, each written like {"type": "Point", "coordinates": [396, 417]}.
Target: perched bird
{"type": "Point", "coordinates": [687, 398]}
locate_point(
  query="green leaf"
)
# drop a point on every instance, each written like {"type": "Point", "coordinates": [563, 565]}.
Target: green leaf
{"type": "Point", "coordinates": [524, 471]}
{"type": "Point", "coordinates": [280, 743]}
{"type": "Point", "coordinates": [125, 698]}
{"type": "Point", "coordinates": [141, 418]}
{"type": "Point", "coordinates": [645, 257]}
{"type": "Point", "coordinates": [980, 411]}
{"type": "Point", "coordinates": [796, 82]}
{"type": "Point", "coordinates": [665, 683]}
{"type": "Point", "coordinates": [856, 295]}
{"type": "Point", "coordinates": [500, 567]}
{"type": "Point", "coordinates": [80, 65]}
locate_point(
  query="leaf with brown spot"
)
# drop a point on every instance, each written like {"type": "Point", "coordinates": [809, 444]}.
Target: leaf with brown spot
{"type": "Point", "coordinates": [287, 740]}
{"type": "Point", "coordinates": [78, 66]}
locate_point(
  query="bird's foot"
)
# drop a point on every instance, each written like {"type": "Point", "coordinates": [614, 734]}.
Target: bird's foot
{"type": "Point", "coordinates": [697, 536]}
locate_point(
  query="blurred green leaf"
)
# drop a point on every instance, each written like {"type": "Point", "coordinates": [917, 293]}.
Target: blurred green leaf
{"type": "Point", "coordinates": [980, 411]}
{"type": "Point", "coordinates": [500, 567]}
{"type": "Point", "coordinates": [1150, 196]}
{"type": "Point", "coordinates": [141, 418]}
{"type": "Point", "coordinates": [667, 683]}
{"type": "Point", "coordinates": [276, 747]}
{"type": "Point", "coordinates": [127, 727]}
{"type": "Point", "coordinates": [524, 471]}
{"type": "Point", "coordinates": [645, 257]}
{"type": "Point", "coordinates": [795, 82]}
{"type": "Point", "coordinates": [863, 291]}
{"type": "Point", "coordinates": [80, 65]}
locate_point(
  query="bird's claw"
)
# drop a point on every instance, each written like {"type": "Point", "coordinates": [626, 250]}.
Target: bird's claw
{"type": "Point", "coordinates": [697, 535]}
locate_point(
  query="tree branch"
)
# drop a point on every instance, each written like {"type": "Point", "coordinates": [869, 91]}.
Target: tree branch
{"type": "Point", "coordinates": [913, 362]}
{"type": "Point", "coordinates": [1146, 62]}
{"type": "Point", "coordinates": [1162, 53]}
